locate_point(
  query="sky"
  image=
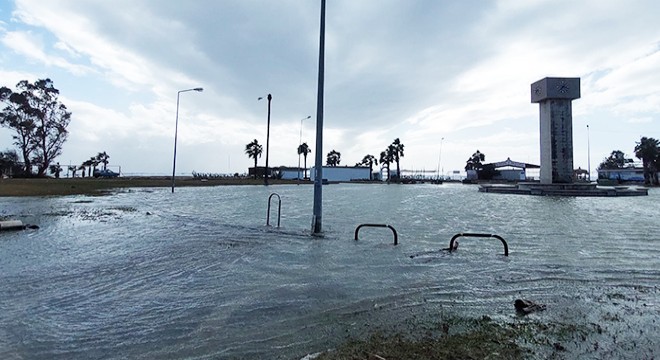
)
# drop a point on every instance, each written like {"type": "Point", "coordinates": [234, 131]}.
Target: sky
{"type": "Point", "coordinates": [445, 77]}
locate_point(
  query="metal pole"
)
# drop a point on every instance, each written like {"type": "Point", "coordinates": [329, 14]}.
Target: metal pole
{"type": "Point", "coordinates": [588, 155]}
{"type": "Point", "coordinates": [176, 131]}
{"type": "Point", "coordinates": [269, 97]}
{"type": "Point", "coordinates": [318, 167]}
{"type": "Point", "coordinates": [440, 157]}
{"type": "Point", "coordinates": [298, 151]}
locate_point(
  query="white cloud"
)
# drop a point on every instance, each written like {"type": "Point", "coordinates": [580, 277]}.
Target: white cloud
{"type": "Point", "coordinates": [30, 46]}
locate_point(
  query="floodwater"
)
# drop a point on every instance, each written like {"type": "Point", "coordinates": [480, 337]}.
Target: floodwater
{"type": "Point", "coordinates": [146, 274]}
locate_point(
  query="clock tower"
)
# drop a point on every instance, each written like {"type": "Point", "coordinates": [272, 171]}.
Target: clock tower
{"type": "Point", "coordinates": [554, 96]}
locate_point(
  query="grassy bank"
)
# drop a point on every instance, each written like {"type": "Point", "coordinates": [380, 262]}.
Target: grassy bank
{"type": "Point", "coordinates": [469, 338]}
{"type": "Point", "coordinates": [92, 186]}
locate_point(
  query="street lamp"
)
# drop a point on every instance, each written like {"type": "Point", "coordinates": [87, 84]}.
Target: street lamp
{"type": "Point", "coordinates": [317, 217]}
{"type": "Point", "coordinates": [300, 143]}
{"type": "Point", "coordinates": [440, 157]}
{"type": "Point", "coordinates": [176, 128]}
{"type": "Point", "coordinates": [269, 97]}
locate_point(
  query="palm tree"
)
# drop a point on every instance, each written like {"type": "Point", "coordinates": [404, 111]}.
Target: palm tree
{"type": "Point", "coordinates": [102, 158]}
{"type": "Point", "coordinates": [397, 154]}
{"type": "Point", "coordinates": [304, 150]}
{"type": "Point", "coordinates": [93, 162]}
{"type": "Point", "coordinates": [371, 161]}
{"type": "Point", "coordinates": [254, 150]}
{"type": "Point", "coordinates": [386, 158]}
{"type": "Point", "coordinates": [333, 158]}
{"type": "Point", "coordinates": [73, 169]}
{"type": "Point", "coordinates": [648, 149]}
{"type": "Point", "coordinates": [474, 162]}
{"type": "Point", "coordinates": [87, 164]}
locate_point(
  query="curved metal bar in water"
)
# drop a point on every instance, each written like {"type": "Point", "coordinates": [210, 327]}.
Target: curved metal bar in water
{"type": "Point", "coordinates": [279, 209]}
{"type": "Point", "coordinates": [396, 236]}
{"type": "Point", "coordinates": [451, 242]}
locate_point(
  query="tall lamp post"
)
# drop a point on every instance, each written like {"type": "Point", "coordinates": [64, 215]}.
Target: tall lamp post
{"type": "Point", "coordinates": [176, 128]}
{"type": "Point", "coordinates": [317, 221]}
{"type": "Point", "coordinates": [588, 155]}
{"type": "Point", "coordinates": [300, 143]}
{"type": "Point", "coordinates": [440, 157]}
{"type": "Point", "coordinates": [269, 97]}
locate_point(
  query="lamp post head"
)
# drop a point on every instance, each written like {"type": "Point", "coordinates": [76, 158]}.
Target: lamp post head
{"type": "Point", "coordinates": [198, 89]}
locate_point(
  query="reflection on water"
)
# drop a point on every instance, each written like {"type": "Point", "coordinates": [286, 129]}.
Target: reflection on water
{"type": "Point", "coordinates": [150, 274]}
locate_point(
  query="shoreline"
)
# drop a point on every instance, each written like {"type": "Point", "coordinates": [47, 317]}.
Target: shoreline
{"type": "Point", "coordinates": [20, 187]}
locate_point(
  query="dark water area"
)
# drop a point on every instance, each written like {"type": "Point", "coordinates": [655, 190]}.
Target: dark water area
{"type": "Point", "coordinates": [146, 274]}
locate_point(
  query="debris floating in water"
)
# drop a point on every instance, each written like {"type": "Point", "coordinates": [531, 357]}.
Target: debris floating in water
{"type": "Point", "coordinates": [527, 306]}
{"type": "Point", "coordinates": [15, 225]}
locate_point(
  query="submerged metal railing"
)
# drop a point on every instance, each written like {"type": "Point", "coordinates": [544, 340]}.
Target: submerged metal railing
{"type": "Point", "coordinates": [279, 209]}
{"type": "Point", "coordinates": [396, 236]}
{"type": "Point", "coordinates": [451, 242]}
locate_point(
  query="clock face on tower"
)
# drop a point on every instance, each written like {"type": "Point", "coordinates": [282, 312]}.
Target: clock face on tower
{"type": "Point", "coordinates": [538, 90]}
{"type": "Point", "coordinates": [563, 88]}
{"type": "Point", "coordinates": [555, 88]}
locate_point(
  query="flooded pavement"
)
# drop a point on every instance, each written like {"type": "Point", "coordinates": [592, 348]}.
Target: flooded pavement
{"type": "Point", "coordinates": [196, 274]}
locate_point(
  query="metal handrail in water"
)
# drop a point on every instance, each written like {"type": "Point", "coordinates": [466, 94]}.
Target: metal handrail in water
{"type": "Point", "coordinates": [279, 209]}
{"type": "Point", "coordinates": [451, 242]}
{"type": "Point", "coordinates": [396, 236]}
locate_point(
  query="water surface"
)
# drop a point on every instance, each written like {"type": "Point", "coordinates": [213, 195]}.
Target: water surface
{"type": "Point", "coordinates": [196, 274]}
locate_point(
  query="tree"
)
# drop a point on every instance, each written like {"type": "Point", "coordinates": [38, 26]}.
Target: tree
{"type": "Point", "coordinates": [102, 158]}
{"type": "Point", "coordinates": [87, 164]}
{"type": "Point", "coordinates": [254, 150]}
{"type": "Point", "coordinates": [55, 169]}
{"type": "Point", "coordinates": [304, 150]}
{"type": "Point", "coordinates": [73, 169]}
{"type": "Point", "coordinates": [333, 158]}
{"type": "Point", "coordinates": [386, 158]}
{"type": "Point", "coordinates": [93, 163]}
{"type": "Point", "coordinates": [397, 154]}
{"type": "Point", "coordinates": [39, 120]}
{"type": "Point", "coordinates": [371, 161]}
{"type": "Point", "coordinates": [648, 150]}
{"type": "Point", "coordinates": [9, 163]}
{"type": "Point", "coordinates": [17, 116]}
{"type": "Point", "coordinates": [474, 162]}
{"type": "Point", "coordinates": [616, 160]}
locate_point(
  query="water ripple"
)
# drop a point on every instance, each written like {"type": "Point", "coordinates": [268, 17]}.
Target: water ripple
{"type": "Point", "coordinates": [197, 274]}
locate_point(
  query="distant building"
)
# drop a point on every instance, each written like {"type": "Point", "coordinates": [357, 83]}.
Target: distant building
{"type": "Point", "coordinates": [260, 171]}
{"type": "Point", "coordinates": [632, 174]}
{"type": "Point", "coordinates": [342, 173]}
{"type": "Point", "coordinates": [511, 170]}
{"type": "Point", "coordinates": [580, 174]}
{"type": "Point", "coordinates": [292, 173]}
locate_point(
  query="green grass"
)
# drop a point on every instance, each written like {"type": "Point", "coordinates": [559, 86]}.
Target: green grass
{"type": "Point", "coordinates": [462, 338]}
{"type": "Point", "coordinates": [92, 186]}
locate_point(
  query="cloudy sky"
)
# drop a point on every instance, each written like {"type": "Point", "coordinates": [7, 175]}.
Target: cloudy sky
{"type": "Point", "coordinates": [419, 70]}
